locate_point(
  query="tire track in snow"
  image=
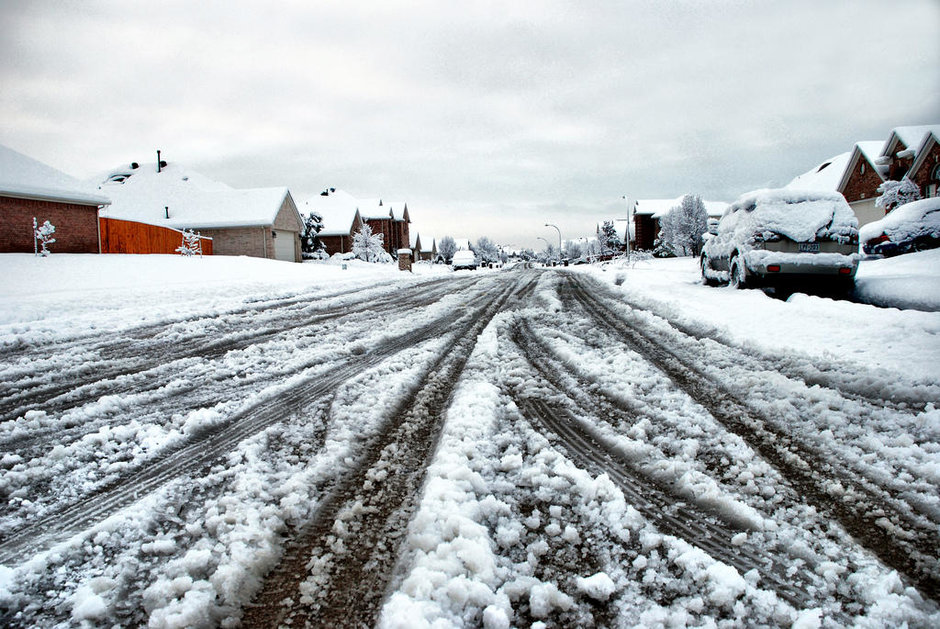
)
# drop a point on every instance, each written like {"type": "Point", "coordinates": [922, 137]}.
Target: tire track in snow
{"type": "Point", "coordinates": [147, 374]}
{"type": "Point", "coordinates": [203, 450]}
{"type": "Point", "coordinates": [671, 513]}
{"type": "Point", "coordinates": [903, 541]}
{"type": "Point", "coordinates": [352, 542]}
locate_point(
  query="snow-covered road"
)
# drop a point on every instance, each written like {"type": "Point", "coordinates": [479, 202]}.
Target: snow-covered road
{"type": "Point", "coordinates": [473, 449]}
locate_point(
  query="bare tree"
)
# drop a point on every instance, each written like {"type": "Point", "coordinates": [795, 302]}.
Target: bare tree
{"type": "Point", "coordinates": [446, 248]}
{"type": "Point", "coordinates": [681, 229]}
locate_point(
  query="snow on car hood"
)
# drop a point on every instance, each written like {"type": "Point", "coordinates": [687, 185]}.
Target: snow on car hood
{"type": "Point", "coordinates": [910, 220]}
{"type": "Point", "coordinates": [800, 215]}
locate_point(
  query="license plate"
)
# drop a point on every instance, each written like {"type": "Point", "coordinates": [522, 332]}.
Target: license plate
{"type": "Point", "coordinates": [809, 247]}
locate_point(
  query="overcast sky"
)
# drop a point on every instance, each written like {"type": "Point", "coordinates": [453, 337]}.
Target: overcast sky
{"type": "Point", "coordinates": [488, 118]}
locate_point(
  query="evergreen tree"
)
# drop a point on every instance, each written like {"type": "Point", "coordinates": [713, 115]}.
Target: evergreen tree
{"type": "Point", "coordinates": [311, 246]}
{"type": "Point", "coordinates": [368, 246]}
{"type": "Point", "coordinates": [610, 240]}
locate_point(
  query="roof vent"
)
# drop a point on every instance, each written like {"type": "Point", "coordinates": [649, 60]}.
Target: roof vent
{"type": "Point", "coordinates": [134, 165]}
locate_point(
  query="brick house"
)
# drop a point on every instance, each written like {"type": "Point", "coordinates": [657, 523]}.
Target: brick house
{"type": "Point", "coordinates": [259, 222]}
{"type": "Point", "coordinates": [343, 215]}
{"type": "Point", "coordinates": [862, 176]}
{"type": "Point", "coordinates": [424, 251]}
{"type": "Point", "coordinates": [30, 189]}
{"type": "Point", "coordinates": [389, 219]}
{"type": "Point", "coordinates": [900, 150]}
{"type": "Point", "coordinates": [925, 169]}
{"type": "Point", "coordinates": [341, 219]}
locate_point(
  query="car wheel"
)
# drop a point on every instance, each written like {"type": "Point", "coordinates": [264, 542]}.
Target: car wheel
{"type": "Point", "coordinates": [738, 273]}
{"type": "Point", "coordinates": [706, 266]}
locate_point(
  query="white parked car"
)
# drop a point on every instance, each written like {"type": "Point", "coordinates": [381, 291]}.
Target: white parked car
{"type": "Point", "coordinates": [464, 259]}
{"type": "Point", "coordinates": [777, 237]}
{"type": "Point", "coordinates": [910, 227]}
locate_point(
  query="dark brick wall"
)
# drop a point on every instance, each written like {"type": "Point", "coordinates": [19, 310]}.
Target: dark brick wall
{"type": "Point", "coordinates": [862, 183]}
{"type": "Point", "coordinates": [924, 175]}
{"type": "Point", "coordinates": [76, 226]}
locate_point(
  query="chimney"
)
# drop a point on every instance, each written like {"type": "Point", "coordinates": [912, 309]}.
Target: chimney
{"type": "Point", "coordinates": [158, 160]}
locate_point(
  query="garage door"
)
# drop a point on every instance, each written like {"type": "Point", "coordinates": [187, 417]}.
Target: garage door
{"type": "Point", "coordinates": [284, 245]}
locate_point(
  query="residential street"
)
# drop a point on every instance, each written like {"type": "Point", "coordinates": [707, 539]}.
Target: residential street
{"type": "Point", "coordinates": [478, 448]}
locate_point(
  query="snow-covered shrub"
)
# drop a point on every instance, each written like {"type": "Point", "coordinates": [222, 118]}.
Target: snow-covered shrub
{"type": "Point", "coordinates": [192, 244]}
{"type": "Point", "coordinates": [895, 193]}
{"type": "Point", "coordinates": [43, 235]}
{"type": "Point", "coordinates": [368, 246]}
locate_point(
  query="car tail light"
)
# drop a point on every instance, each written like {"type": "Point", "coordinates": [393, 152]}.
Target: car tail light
{"type": "Point", "coordinates": [845, 270]}
{"type": "Point", "coordinates": [773, 268]}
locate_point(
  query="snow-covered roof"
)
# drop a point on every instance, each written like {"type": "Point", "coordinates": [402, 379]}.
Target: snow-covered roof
{"type": "Point", "coordinates": [922, 151]}
{"type": "Point", "coordinates": [374, 209]}
{"type": "Point", "coordinates": [399, 210]}
{"type": "Point", "coordinates": [26, 178]}
{"type": "Point", "coordinates": [657, 208]}
{"type": "Point", "coordinates": [190, 199]}
{"type": "Point", "coordinates": [337, 208]}
{"type": "Point", "coordinates": [911, 137]}
{"type": "Point", "coordinates": [824, 177]}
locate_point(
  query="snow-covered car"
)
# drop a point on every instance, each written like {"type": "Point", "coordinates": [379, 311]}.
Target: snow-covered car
{"type": "Point", "coordinates": [910, 227]}
{"type": "Point", "coordinates": [775, 237]}
{"type": "Point", "coordinates": [464, 259]}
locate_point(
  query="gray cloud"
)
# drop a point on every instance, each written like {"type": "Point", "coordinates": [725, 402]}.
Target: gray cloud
{"type": "Point", "coordinates": [487, 119]}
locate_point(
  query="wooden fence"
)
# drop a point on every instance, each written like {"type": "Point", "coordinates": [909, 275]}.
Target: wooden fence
{"type": "Point", "coordinates": [119, 236]}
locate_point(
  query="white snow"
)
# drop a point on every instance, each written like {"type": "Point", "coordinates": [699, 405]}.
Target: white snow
{"type": "Point", "coordinates": [508, 529]}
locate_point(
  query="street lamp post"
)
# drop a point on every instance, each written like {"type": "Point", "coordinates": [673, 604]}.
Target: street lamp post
{"type": "Point", "coordinates": [559, 237]}
{"type": "Point", "coordinates": [628, 225]}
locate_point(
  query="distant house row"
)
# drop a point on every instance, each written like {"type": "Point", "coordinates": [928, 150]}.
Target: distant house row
{"type": "Point", "coordinates": [343, 215]}
{"type": "Point", "coordinates": [912, 152]}
{"type": "Point", "coordinates": [145, 207]}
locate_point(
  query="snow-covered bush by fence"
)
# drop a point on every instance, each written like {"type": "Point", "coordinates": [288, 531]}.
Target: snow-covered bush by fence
{"type": "Point", "coordinates": [192, 244]}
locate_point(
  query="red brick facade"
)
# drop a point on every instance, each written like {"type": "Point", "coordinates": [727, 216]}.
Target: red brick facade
{"type": "Point", "coordinates": [863, 181]}
{"type": "Point", "coordinates": [646, 229]}
{"type": "Point", "coordinates": [395, 234]}
{"type": "Point", "coordinates": [76, 225]}
{"type": "Point", "coordinates": [927, 174]}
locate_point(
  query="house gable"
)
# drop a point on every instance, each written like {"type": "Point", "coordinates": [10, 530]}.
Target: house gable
{"type": "Point", "coordinates": [862, 177]}
{"type": "Point", "coordinates": [925, 171]}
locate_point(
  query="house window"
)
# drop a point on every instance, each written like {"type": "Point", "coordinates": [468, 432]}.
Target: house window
{"type": "Point", "coordinates": [861, 169]}
{"type": "Point", "coordinates": [935, 175]}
